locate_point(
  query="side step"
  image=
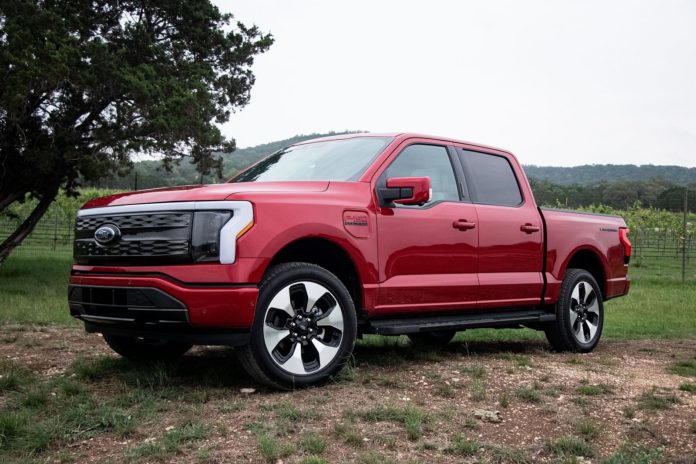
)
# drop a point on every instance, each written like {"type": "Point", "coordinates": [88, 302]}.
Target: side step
{"type": "Point", "coordinates": [460, 321]}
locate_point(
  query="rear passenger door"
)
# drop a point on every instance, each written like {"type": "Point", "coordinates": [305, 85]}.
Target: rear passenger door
{"type": "Point", "coordinates": [510, 248]}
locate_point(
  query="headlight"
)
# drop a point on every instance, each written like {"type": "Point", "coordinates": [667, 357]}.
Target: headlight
{"type": "Point", "coordinates": [205, 239]}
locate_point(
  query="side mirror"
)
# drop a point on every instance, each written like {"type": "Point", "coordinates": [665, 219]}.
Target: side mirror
{"type": "Point", "coordinates": [406, 190]}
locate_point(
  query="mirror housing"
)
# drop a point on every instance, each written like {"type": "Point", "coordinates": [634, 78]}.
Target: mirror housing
{"type": "Point", "coordinates": [406, 190]}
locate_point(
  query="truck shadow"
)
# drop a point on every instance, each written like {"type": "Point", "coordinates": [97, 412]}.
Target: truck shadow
{"type": "Point", "coordinates": [206, 368]}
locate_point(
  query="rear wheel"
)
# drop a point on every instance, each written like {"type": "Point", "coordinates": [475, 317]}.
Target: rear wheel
{"type": "Point", "coordinates": [144, 349]}
{"type": "Point", "coordinates": [579, 314]}
{"type": "Point", "coordinates": [304, 328]}
{"type": "Point", "coordinates": [432, 339]}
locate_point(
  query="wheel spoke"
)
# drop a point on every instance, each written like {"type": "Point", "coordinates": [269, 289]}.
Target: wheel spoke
{"type": "Point", "coordinates": [590, 297]}
{"type": "Point", "coordinates": [591, 328]}
{"type": "Point", "coordinates": [314, 293]}
{"type": "Point", "coordinates": [332, 318]}
{"type": "Point", "coordinates": [573, 317]}
{"type": "Point", "coordinates": [579, 332]}
{"type": "Point", "coordinates": [273, 336]}
{"type": "Point", "coordinates": [593, 308]}
{"type": "Point", "coordinates": [294, 363]}
{"type": "Point", "coordinates": [575, 297]}
{"type": "Point", "coordinates": [326, 353]}
{"type": "Point", "coordinates": [582, 291]}
{"type": "Point", "coordinates": [282, 301]}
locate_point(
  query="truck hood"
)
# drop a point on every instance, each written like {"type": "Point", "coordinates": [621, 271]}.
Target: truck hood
{"type": "Point", "coordinates": [212, 192]}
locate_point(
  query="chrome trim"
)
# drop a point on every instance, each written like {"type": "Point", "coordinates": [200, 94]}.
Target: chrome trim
{"type": "Point", "coordinates": [243, 215]}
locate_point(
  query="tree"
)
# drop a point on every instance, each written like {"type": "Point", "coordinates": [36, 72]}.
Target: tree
{"type": "Point", "coordinates": [86, 84]}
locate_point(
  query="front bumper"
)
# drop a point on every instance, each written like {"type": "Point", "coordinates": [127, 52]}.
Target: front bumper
{"type": "Point", "coordinates": [136, 305]}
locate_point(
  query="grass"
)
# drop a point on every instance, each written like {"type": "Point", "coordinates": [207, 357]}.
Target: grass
{"type": "Point", "coordinates": [477, 389]}
{"type": "Point", "coordinates": [33, 288]}
{"type": "Point", "coordinates": [33, 285]}
{"type": "Point", "coordinates": [460, 446]}
{"type": "Point", "coordinates": [313, 443]}
{"type": "Point", "coordinates": [686, 368]}
{"type": "Point", "coordinates": [570, 446]}
{"type": "Point", "coordinates": [271, 449]}
{"type": "Point", "coordinates": [587, 429]}
{"type": "Point", "coordinates": [594, 390]}
{"type": "Point", "coordinates": [688, 387]}
{"type": "Point", "coordinates": [347, 433]}
{"type": "Point", "coordinates": [630, 453]}
{"type": "Point", "coordinates": [657, 400]}
{"type": "Point", "coordinates": [410, 417]}
{"type": "Point", "coordinates": [528, 395]}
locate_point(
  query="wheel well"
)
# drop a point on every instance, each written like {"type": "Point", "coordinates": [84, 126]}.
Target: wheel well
{"type": "Point", "coordinates": [589, 261]}
{"type": "Point", "coordinates": [328, 255]}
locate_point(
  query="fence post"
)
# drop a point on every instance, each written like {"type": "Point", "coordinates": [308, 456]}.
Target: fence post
{"type": "Point", "coordinates": [55, 231]}
{"type": "Point", "coordinates": [686, 213]}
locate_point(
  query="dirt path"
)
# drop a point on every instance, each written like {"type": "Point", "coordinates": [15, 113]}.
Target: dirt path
{"type": "Point", "coordinates": [395, 403]}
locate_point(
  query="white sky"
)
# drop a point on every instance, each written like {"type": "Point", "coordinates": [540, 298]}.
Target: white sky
{"type": "Point", "coordinates": [556, 82]}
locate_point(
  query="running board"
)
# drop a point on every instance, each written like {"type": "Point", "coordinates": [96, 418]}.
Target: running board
{"type": "Point", "coordinates": [460, 321]}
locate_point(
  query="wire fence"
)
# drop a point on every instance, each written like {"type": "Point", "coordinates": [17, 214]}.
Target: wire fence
{"type": "Point", "coordinates": [655, 250]}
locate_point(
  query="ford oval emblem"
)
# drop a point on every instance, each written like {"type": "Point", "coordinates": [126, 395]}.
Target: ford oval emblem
{"type": "Point", "coordinates": [107, 234]}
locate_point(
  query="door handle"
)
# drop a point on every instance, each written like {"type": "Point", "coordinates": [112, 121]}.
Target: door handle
{"type": "Point", "coordinates": [463, 224]}
{"type": "Point", "coordinates": [529, 228]}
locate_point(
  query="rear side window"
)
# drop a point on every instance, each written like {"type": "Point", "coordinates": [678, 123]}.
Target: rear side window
{"type": "Point", "coordinates": [427, 161]}
{"type": "Point", "coordinates": [492, 179]}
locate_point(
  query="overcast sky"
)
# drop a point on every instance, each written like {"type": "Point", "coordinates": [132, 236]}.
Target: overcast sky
{"type": "Point", "coordinates": [555, 82]}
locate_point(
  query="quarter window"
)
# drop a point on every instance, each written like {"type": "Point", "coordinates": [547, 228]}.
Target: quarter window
{"type": "Point", "coordinates": [492, 179]}
{"type": "Point", "coordinates": [427, 161]}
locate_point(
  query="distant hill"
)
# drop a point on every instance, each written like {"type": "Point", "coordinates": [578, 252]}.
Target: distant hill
{"type": "Point", "coordinates": [150, 174]}
{"type": "Point", "coordinates": [595, 173]}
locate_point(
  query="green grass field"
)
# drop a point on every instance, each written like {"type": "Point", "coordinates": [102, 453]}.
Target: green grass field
{"type": "Point", "coordinates": [33, 288]}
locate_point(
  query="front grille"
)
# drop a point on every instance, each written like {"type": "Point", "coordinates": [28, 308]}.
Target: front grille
{"type": "Point", "coordinates": [130, 221]}
{"type": "Point", "coordinates": [148, 238]}
{"type": "Point", "coordinates": [125, 305]}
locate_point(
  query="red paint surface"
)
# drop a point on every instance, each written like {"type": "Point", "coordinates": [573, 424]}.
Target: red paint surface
{"type": "Point", "coordinates": [446, 257]}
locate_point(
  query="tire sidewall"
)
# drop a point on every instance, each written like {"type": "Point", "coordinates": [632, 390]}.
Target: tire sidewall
{"type": "Point", "coordinates": [577, 276]}
{"type": "Point", "coordinates": [276, 282]}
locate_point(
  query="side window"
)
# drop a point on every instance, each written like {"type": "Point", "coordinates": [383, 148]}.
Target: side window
{"type": "Point", "coordinates": [427, 161]}
{"type": "Point", "coordinates": [493, 179]}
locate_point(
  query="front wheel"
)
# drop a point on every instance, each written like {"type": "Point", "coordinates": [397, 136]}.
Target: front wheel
{"type": "Point", "coordinates": [304, 327]}
{"type": "Point", "coordinates": [579, 314]}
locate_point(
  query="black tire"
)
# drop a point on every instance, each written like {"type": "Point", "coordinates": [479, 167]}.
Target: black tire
{"type": "Point", "coordinates": [268, 365]}
{"type": "Point", "coordinates": [432, 340]}
{"type": "Point", "coordinates": [141, 349]}
{"type": "Point", "coordinates": [576, 316]}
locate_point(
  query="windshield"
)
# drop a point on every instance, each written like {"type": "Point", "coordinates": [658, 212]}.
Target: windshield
{"type": "Point", "coordinates": [339, 160]}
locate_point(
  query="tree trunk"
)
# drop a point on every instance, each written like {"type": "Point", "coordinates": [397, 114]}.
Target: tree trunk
{"type": "Point", "coordinates": [8, 200]}
{"type": "Point", "coordinates": [14, 240]}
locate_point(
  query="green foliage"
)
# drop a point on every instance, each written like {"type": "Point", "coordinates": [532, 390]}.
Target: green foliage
{"type": "Point", "coordinates": [688, 387]}
{"type": "Point", "coordinates": [656, 400]}
{"type": "Point", "coordinates": [528, 395]}
{"type": "Point", "coordinates": [594, 390]}
{"type": "Point", "coordinates": [410, 417]}
{"type": "Point", "coordinates": [88, 84]}
{"type": "Point", "coordinates": [569, 446]}
{"type": "Point", "coordinates": [313, 443]}
{"type": "Point", "coordinates": [630, 453]}
{"type": "Point", "coordinates": [462, 447]}
{"type": "Point", "coordinates": [685, 368]}
{"type": "Point", "coordinates": [152, 173]}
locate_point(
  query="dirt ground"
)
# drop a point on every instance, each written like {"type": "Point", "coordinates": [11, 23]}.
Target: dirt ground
{"type": "Point", "coordinates": [622, 396]}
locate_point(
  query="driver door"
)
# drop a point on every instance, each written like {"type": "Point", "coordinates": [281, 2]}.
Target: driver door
{"type": "Point", "coordinates": [427, 254]}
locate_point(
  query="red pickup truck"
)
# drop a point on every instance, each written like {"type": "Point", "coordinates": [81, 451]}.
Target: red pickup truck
{"type": "Point", "coordinates": [323, 241]}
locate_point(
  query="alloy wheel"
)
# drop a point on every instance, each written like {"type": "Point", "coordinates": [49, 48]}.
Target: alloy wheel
{"type": "Point", "coordinates": [303, 328]}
